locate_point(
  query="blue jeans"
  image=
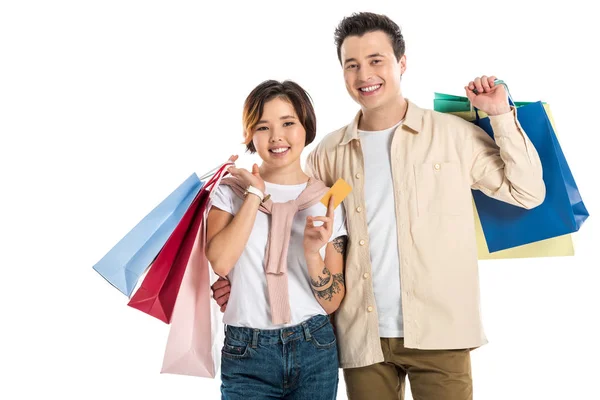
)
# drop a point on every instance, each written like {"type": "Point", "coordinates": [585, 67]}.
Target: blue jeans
{"type": "Point", "coordinates": [295, 363]}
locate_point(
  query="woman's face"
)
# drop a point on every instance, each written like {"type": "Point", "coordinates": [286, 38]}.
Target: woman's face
{"type": "Point", "coordinates": [279, 137]}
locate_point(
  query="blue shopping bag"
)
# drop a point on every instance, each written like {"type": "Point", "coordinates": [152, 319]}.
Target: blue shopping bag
{"type": "Point", "coordinates": [123, 265]}
{"type": "Point", "coordinates": [562, 212]}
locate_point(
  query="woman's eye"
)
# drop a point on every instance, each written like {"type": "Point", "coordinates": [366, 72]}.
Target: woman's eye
{"type": "Point", "coordinates": [288, 123]}
{"type": "Point", "coordinates": [262, 128]}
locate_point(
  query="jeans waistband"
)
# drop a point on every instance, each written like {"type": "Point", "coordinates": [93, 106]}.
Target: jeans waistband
{"type": "Point", "coordinates": [273, 336]}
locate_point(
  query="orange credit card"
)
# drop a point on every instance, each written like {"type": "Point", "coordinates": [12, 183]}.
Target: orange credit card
{"type": "Point", "coordinates": [339, 190]}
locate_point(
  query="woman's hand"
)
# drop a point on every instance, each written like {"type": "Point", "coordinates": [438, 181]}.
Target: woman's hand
{"type": "Point", "coordinates": [249, 178]}
{"type": "Point", "coordinates": [315, 237]}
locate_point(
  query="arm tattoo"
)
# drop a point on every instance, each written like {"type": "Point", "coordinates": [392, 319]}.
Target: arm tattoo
{"type": "Point", "coordinates": [327, 286]}
{"type": "Point", "coordinates": [323, 281]}
{"type": "Point", "coordinates": [339, 244]}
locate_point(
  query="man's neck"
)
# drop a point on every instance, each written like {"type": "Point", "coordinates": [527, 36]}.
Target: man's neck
{"type": "Point", "coordinates": [384, 117]}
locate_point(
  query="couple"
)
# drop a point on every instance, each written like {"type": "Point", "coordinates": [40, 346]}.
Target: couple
{"type": "Point", "coordinates": [397, 263]}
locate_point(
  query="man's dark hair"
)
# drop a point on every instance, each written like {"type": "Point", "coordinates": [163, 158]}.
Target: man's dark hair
{"type": "Point", "coordinates": [364, 22]}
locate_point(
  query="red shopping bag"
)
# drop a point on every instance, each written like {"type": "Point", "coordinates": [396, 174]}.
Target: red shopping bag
{"type": "Point", "coordinates": [194, 344]}
{"type": "Point", "coordinates": [159, 289]}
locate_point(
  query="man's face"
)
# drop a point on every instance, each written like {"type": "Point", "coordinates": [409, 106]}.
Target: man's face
{"type": "Point", "coordinates": [371, 71]}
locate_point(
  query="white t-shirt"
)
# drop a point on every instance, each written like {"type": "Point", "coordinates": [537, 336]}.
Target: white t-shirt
{"type": "Point", "coordinates": [248, 304]}
{"type": "Point", "coordinates": [381, 223]}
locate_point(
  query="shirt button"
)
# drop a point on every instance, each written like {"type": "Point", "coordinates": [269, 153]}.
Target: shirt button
{"type": "Point", "coordinates": [358, 209]}
{"type": "Point", "coordinates": [357, 175]}
{"type": "Point", "coordinates": [366, 275]}
{"type": "Point", "coordinates": [437, 166]}
{"type": "Point", "coordinates": [370, 308]}
{"type": "Point", "coordinates": [362, 242]}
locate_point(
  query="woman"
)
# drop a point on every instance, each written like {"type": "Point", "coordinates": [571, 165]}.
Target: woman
{"type": "Point", "coordinates": [283, 252]}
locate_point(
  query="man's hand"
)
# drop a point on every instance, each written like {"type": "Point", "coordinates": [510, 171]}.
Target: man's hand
{"type": "Point", "coordinates": [221, 289]}
{"type": "Point", "coordinates": [487, 96]}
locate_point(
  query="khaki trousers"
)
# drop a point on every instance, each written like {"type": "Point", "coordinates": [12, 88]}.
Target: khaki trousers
{"type": "Point", "coordinates": [433, 374]}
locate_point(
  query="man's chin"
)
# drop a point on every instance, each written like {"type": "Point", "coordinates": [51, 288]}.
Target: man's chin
{"type": "Point", "coordinates": [370, 104]}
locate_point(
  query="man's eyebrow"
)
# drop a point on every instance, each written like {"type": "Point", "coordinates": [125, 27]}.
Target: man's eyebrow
{"type": "Point", "coordinates": [369, 56]}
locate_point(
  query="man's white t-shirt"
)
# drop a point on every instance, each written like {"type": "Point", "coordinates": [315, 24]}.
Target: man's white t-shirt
{"type": "Point", "coordinates": [248, 304]}
{"type": "Point", "coordinates": [381, 223]}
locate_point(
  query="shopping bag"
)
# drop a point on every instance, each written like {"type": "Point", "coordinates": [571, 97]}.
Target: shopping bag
{"type": "Point", "coordinates": [192, 342]}
{"type": "Point", "coordinates": [193, 345]}
{"type": "Point", "coordinates": [126, 262]}
{"type": "Point", "coordinates": [563, 212]}
{"type": "Point", "coordinates": [561, 246]}
{"type": "Point", "coordinates": [157, 294]}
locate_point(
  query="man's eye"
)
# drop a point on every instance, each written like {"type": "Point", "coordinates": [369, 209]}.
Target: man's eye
{"type": "Point", "coordinates": [351, 66]}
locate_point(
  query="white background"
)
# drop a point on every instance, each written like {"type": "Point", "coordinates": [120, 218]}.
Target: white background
{"type": "Point", "coordinates": [106, 106]}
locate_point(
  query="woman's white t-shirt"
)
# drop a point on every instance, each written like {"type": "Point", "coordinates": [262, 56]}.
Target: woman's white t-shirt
{"type": "Point", "coordinates": [248, 304]}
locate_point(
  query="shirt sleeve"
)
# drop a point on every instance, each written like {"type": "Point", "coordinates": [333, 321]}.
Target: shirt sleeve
{"type": "Point", "coordinates": [316, 166]}
{"type": "Point", "coordinates": [508, 167]}
{"type": "Point", "coordinates": [223, 199]}
{"type": "Point", "coordinates": [339, 223]}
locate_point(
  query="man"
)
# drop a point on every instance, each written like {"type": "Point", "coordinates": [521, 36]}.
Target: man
{"type": "Point", "coordinates": [412, 292]}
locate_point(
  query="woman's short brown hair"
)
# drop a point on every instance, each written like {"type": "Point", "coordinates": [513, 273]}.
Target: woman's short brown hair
{"type": "Point", "coordinates": [287, 90]}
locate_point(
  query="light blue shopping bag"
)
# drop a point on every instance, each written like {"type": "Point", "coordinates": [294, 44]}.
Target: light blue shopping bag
{"type": "Point", "coordinates": [123, 265]}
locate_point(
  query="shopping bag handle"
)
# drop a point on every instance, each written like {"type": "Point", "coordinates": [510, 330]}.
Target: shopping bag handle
{"type": "Point", "coordinates": [218, 175]}
{"type": "Point", "coordinates": [211, 172]}
{"type": "Point", "coordinates": [215, 169]}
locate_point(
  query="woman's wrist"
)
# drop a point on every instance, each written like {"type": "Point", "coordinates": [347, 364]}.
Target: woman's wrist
{"type": "Point", "coordinates": [253, 199]}
{"type": "Point", "coordinates": [312, 255]}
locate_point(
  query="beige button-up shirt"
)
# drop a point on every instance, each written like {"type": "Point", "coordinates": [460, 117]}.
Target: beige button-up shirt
{"type": "Point", "coordinates": [436, 160]}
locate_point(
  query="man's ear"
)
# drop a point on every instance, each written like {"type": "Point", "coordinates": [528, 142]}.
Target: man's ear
{"type": "Point", "coordinates": [402, 63]}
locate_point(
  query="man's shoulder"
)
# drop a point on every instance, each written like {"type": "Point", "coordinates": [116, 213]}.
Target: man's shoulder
{"type": "Point", "coordinates": [322, 157]}
{"type": "Point", "coordinates": [446, 122]}
{"type": "Point", "coordinates": [331, 140]}
{"type": "Point", "coordinates": [437, 116]}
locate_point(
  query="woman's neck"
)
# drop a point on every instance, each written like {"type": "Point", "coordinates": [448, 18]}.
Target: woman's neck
{"type": "Point", "coordinates": [288, 175]}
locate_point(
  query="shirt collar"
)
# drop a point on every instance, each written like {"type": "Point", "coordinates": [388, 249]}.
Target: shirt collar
{"type": "Point", "coordinates": [413, 121]}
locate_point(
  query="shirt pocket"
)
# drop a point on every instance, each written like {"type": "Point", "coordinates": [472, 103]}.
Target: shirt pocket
{"type": "Point", "coordinates": [441, 189]}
